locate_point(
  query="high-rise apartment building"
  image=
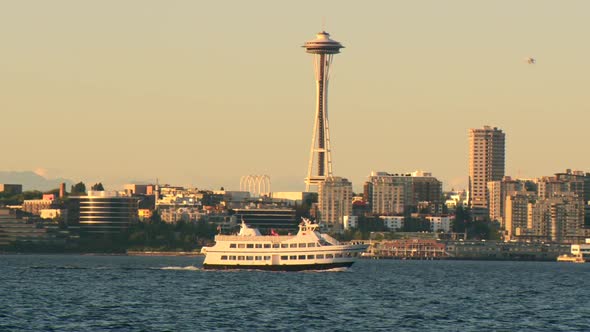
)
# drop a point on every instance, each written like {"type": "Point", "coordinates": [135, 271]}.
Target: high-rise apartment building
{"type": "Point", "coordinates": [499, 190]}
{"type": "Point", "coordinates": [390, 194]}
{"type": "Point", "coordinates": [486, 163]}
{"type": "Point", "coordinates": [517, 209]}
{"type": "Point", "coordinates": [559, 218]}
{"type": "Point", "coordinates": [334, 201]}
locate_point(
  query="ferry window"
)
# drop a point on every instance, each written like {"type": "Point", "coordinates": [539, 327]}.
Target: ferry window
{"type": "Point", "coordinates": [319, 256]}
{"type": "Point", "coordinates": [240, 258]}
{"type": "Point", "coordinates": [250, 245]}
{"type": "Point", "coordinates": [293, 245]}
{"type": "Point", "coordinates": [310, 256]}
{"type": "Point", "coordinates": [311, 245]}
{"type": "Point", "coordinates": [241, 245]}
{"type": "Point", "coordinates": [266, 258]}
{"type": "Point", "coordinates": [329, 256]}
{"type": "Point", "coordinates": [301, 245]}
{"type": "Point", "coordinates": [348, 254]}
{"type": "Point", "coordinates": [338, 255]}
{"type": "Point", "coordinates": [232, 245]}
{"type": "Point", "coordinates": [301, 256]}
{"type": "Point", "coordinates": [258, 245]}
{"type": "Point", "coordinates": [232, 258]}
{"type": "Point", "coordinates": [258, 258]}
{"type": "Point", "coordinates": [223, 258]}
{"type": "Point", "coordinates": [275, 245]}
{"type": "Point", "coordinates": [284, 258]}
{"type": "Point", "coordinates": [249, 258]}
{"type": "Point", "coordinates": [293, 257]}
{"type": "Point", "coordinates": [284, 245]}
{"type": "Point", "coordinates": [267, 245]}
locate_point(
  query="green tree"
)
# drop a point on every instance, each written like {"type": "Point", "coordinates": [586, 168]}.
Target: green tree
{"type": "Point", "coordinates": [462, 217]}
{"type": "Point", "coordinates": [97, 187]}
{"type": "Point", "coordinates": [78, 189]}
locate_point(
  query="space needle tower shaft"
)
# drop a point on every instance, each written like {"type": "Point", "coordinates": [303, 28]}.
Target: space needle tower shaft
{"type": "Point", "coordinates": [323, 49]}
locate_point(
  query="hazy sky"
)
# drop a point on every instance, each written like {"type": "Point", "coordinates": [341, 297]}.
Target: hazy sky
{"type": "Point", "coordinates": [202, 92]}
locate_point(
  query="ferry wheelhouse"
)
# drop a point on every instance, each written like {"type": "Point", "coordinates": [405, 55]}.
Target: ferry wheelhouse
{"type": "Point", "coordinates": [307, 250]}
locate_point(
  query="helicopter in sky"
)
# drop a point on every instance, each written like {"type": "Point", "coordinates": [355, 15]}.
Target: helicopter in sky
{"type": "Point", "coordinates": [530, 60]}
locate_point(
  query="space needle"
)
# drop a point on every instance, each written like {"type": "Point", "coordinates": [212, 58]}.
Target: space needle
{"type": "Point", "coordinates": [323, 49]}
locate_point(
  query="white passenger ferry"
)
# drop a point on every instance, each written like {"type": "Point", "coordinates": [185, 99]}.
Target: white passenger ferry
{"type": "Point", "coordinates": [308, 250]}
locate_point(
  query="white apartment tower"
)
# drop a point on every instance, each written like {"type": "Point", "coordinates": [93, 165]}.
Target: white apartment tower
{"type": "Point", "coordinates": [486, 163]}
{"type": "Point", "coordinates": [334, 201]}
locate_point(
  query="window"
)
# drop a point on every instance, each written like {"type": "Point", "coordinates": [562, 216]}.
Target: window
{"type": "Point", "coordinates": [258, 245]}
{"type": "Point", "coordinates": [241, 245]}
{"type": "Point", "coordinates": [319, 256]}
{"type": "Point", "coordinates": [339, 255]}
{"type": "Point", "coordinates": [284, 245]}
{"type": "Point", "coordinates": [258, 258]}
{"type": "Point", "coordinates": [310, 257]}
{"type": "Point", "coordinates": [266, 258]}
{"type": "Point", "coordinates": [284, 258]}
{"type": "Point", "coordinates": [232, 245]}
{"type": "Point", "coordinates": [240, 258]}
{"type": "Point", "coordinates": [275, 245]}
{"type": "Point", "coordinates": [267, 245]}
{"type": "Point", "coordinates": [249, 258]}
{"type": "Point", "coordinates": [329, 256]}
{"type": "Point", "coordinates": [301, 256]}
{"type": "Point", "coordinates": [250, 245]}
{"type": "Point", "coordinates": [311, 245]}
{"type": "Point", "coordinates": [301, 245]}
{"type": "Point", "coordinates": [223, 258]}
{"type": "Point", "coordinates": [293, 257]}
{"type": "Point", "coordinates": [232, 258]}
{"type": "Point", "coordinates": [293, 245]}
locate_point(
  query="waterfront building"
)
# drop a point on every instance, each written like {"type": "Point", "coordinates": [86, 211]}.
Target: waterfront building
{"type": "Point", "coordinates": [323, 49]}
{"type": "Point", "coordinates": [409, 249]}
{"type": "Point", "coordinates": [102, 212]}
{"type": "Point", "coordinates": [334, 201]}
{"type": "Point", "coordinates": [11, 188]}
{"type": "Point", "coordinates": [486, 163]}
{"type": "Point", "coordinates": [494, 250]}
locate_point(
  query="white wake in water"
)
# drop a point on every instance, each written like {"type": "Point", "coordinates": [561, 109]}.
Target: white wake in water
{"type": "Point", "coordinates": [181, 268]}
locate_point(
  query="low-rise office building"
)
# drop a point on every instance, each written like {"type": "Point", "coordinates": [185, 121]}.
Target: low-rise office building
{"type": "Point", "coordinates": [102, 212]}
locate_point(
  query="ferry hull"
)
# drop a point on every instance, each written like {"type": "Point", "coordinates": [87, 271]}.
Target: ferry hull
{"type": "Point", "coordinates": [282, 267]}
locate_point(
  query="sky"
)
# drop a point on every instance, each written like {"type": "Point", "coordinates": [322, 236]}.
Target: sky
{"type": "Point", "coordinates": [200, 93]}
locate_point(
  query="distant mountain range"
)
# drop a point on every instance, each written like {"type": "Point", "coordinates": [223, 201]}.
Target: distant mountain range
{"type": "Point", "coordinates": [32, 181]}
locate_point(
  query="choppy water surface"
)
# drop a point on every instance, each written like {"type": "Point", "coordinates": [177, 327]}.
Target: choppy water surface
{"type": "Point", "coordinates": [119, 293]}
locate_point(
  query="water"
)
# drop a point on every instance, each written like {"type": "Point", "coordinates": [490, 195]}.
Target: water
{"type": "Point", "coordinates": [119, 293]}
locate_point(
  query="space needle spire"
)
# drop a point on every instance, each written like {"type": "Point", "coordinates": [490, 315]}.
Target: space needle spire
{"type": "Point", "coordinates": [323, 49]}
